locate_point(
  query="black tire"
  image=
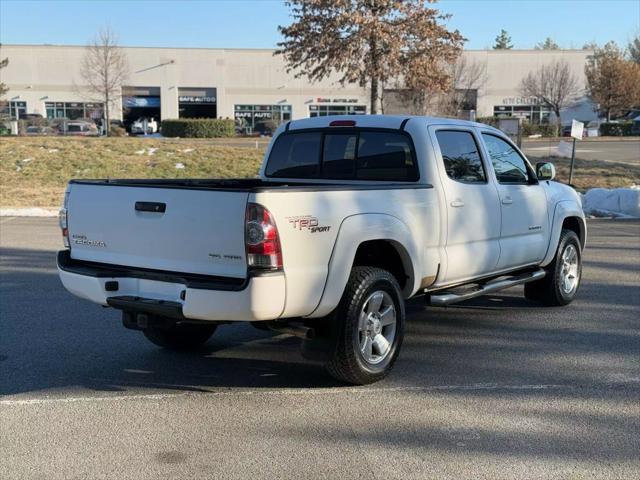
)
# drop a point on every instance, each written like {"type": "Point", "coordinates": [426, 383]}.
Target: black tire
{"type": "Point", "coordinates": [549, 290]}
{"type": "Point", "coordinates": [183, 337]}
{"type": "Point", "coordinates": [347, 362]}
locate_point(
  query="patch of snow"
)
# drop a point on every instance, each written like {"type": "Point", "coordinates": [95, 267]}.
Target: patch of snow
{"type": "Point", "coordinates": [18, 168]}
{"type": "Point", "coordinates": [187, 150]}
{"type": "Point", "coordinates": [28, 212]}
{"type": "Point", "coordinates": [618, 202]}
{"type": "Point", "coordinates": [26, 160]}
{"type": "Point", "coordinates": [140, 152]}
{"type": "Point", "coordinates": [151, 151]}
{"type": "Point", "coordinates": [53, 150]}
{"type": "Point", "coordinates": [179, 165]}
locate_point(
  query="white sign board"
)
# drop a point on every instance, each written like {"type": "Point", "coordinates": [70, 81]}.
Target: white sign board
{"type": "Point", "coordinates": [577, 128]}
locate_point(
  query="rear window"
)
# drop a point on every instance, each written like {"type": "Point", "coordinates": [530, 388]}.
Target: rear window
{"type": "Point", "coordinates": [345, 154]}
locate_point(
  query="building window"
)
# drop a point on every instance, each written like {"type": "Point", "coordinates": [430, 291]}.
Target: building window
{"type": "Point", "coordinates": [261, 118]}
{"type": "Point", "coordinates": [74, 110]}
{"type": "Point", "coordinates": [325, 110]}
{"type": "Point", "coordinates": [13, 109]}
{"type": "Point", "coordinates": [197, 103]}
{"type": "Point", "coordinates": [535, 114]}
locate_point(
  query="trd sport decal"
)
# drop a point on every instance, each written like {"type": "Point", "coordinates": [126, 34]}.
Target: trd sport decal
{"type": "Point", "coordinates": [307, 222]}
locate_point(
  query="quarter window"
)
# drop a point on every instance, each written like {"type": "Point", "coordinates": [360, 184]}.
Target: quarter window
{"type": "Point", "coordinates": [509, 166]}
{"type": "Point", "coordinates": [461, 156]}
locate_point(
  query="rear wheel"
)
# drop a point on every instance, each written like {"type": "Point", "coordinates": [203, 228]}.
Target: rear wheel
{"type": "Point", "coordinates": [368, 327]}
{"type": "Point", "coordinates": [560, 285]}
{"type": "Point", "coordinates": [180, 337]}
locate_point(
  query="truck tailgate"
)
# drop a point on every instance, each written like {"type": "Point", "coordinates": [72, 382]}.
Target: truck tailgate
{"type": "Point", "coordinates": [200, 231]}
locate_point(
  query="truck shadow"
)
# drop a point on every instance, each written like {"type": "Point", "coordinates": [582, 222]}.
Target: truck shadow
{"type": "Point", "coordinates": [52, 341]}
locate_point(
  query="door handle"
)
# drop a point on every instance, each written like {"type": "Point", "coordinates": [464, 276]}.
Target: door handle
{"type": "Point", "coordinates": [507, 201]}
{"type": "Point", "coordinates": [154, 207]}
{"type": "Point", "coordinates": [457, 203]}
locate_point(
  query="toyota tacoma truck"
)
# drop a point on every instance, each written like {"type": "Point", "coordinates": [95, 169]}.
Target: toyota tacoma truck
{"type": "Point", "coordinates": [349, 218]}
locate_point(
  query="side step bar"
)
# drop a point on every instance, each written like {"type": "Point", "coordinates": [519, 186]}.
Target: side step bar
{"type": "Point", "coordinates": [447, 298]}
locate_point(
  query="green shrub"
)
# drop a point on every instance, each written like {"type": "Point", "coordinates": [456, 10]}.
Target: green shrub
{"type": "Point", "coordinates": [616, 129]}
{"type": "Point", "coordinates": [544, 129]}
{"type": "Point", "coordinates": [198, 128]}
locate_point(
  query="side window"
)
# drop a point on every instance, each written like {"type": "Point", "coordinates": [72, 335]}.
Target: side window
{"type": "Point", "coordinates": [510, 167]}
{"type": "Point", "coordinates": [339, 155]}
{"type": "Point", "coordinates": [385, 156]}
{"type": "Point", "coordinates": [295, 156]}
{"type": "Point", "coordinates": [461, 156]}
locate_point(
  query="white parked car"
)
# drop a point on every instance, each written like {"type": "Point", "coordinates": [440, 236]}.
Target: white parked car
{"type": "Point", "coordinates": [350, 217]}
{"type": "Point", "coordinates": [144, 125]}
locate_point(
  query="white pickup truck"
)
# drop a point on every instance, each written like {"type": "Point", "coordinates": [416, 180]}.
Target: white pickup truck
{"type": "Point", "coordinates": [350, 217]}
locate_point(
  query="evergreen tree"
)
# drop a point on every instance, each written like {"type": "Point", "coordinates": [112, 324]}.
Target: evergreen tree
{"type": "Point", "coordinates": [548, 44]}
{"type": "Point", "coordinates": [503, 41]}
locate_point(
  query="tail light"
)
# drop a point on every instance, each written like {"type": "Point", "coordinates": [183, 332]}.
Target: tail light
{"type": "Point", "coordinates": [63, 220]}
{"type": "Point", "coordinates": [261, 239]}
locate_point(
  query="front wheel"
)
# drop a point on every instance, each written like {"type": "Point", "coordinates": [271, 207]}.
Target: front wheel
{"type": "Point", "coordinates": [368, 327]}
{"type": "Point", "coordinates": [560, 285]}
{"type": "Point", "coordinates": [182, 337]}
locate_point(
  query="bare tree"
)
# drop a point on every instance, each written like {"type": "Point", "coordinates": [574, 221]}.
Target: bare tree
{"type": "Point", "coordinates": [466, 77]}
{"type": "Point", "coordinates": [3, 63]}
{"type": "Point", "coordinates": [370, 42]}
{"type": "Point", "coordinates": [634, 49]}
{"type": "Point", "coordinates": [104, 69]}
{"type": "Point", "coordinates": [554, 85]}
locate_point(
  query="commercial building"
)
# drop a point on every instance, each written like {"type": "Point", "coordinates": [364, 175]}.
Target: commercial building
{"type": "Point", "coordinates": [250, 85]}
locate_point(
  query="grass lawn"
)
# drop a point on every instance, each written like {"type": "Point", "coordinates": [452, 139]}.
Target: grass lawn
{"type": "Point", "coordinates": [593, 173]}
{"type": "Point", "coordinates": [34, 170]}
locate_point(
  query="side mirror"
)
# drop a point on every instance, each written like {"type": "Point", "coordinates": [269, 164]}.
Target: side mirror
{"type": "Point", "coordinates": [545, 171]}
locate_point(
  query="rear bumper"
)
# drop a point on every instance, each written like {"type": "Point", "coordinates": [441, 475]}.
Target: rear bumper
{"type": "Point", "coordinates": [258, 298]}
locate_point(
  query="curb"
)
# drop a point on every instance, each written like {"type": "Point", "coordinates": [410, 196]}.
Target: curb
{"type": "Point", "coordinates": [28, 212]}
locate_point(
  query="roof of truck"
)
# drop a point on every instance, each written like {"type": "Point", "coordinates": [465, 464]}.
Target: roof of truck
{"type": "Point", "coordinates": [377, 121]}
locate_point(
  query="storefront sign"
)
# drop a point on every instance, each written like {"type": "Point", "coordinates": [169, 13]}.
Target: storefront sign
{"type": "Point", "coordinates": [196, 99]}
{"type": "Point", "coordinates": [521, 101]}
{"type": "Point", "coordinates": [336, 100]}
{"type": "Point", "coordinates": [149, 102]}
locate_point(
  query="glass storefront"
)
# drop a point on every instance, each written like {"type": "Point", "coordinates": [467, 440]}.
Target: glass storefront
{"type": "Point", "coordinates": [325, 110]}
{"type": "Point", "coordinates": [13, 109]}
{"type": "Point", "coordinates": [536, 114]}
{"type": "Point", "coordinates": [74, 110]}
{"type": "Point", "coordinates": [197, 102]}
{"type": "Point", "coordinates": [260, 118]}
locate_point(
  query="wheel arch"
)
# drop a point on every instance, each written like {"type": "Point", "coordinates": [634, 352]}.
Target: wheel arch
{"type": "Point", "coordinates": [569, 215]}
{"type": "Point", "coordinates": [369, 237]}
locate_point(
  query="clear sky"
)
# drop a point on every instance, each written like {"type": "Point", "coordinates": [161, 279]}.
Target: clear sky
{"type": "Point", "coordinates": [253, 23]}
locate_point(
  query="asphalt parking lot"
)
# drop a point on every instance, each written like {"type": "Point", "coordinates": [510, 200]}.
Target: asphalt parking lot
{"type": "Point", "coordinates": [492, 388]}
